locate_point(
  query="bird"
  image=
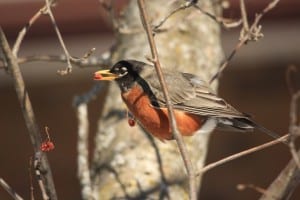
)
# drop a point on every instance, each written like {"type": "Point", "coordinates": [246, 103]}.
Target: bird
{"type": "Point", "coordinates": [197, 107]}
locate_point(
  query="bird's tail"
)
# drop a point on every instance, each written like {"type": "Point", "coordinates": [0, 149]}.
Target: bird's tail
{"type": "Point", "coordinates": [246, 124]}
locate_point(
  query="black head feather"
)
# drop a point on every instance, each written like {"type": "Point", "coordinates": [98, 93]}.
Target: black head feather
{"type": "Point", "coordinates": [128, 72]}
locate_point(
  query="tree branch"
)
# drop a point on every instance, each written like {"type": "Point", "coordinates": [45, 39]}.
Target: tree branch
{"type": "Point", "coordinates": [10, 191]}
{"type": "Point", "coordinates": [25, 29]}
{"type": "Point", "coordinates": [28, 114]}
{"type": "Point", "coordinates": [176, 134]}
{"type": "Point", "coordinates": [251, 34]}
{"type": "Point", "coordinates": [289, 178]}
{"type": "Point", "coordinates": [241, 154]}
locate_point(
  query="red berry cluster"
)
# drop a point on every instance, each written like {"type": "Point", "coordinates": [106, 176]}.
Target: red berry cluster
{"type": "Point", "coordinates": [47, 145]}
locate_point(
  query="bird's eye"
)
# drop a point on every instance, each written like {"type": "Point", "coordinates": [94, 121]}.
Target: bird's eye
{"type": "Point", "coordinates": [123, 71]}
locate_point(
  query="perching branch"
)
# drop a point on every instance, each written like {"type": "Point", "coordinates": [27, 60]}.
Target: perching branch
{"type": "Point", "coordinates": [176, 134]}
{"type": "Point", "coordinates": [28, 114]}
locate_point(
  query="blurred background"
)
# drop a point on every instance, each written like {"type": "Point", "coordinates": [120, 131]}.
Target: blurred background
{"type": "Point", "coordinates": [254, 82]}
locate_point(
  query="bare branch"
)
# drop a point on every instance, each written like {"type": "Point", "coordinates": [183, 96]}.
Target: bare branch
{"type": "Point", "coordinates": [294, 128]}
{"type": "Point", "coordinates": [288, 76]}
{"type": "Point", "coordinates": [253, 34]}
{"type": "Point", "coordinates": [25, 29]}
{"type": "Point", "coordinates": [251, 186]}
{"type": "Point", "coordinates": [49, 12]}
{"type": "Point", "coordinates": [31, 179]}
{"type": "Point", "coordinates": [241, 154]}
{"type": "Point", "coordinates": [37, 166]}
{"type": "Point", "coordinates": [244, 15]}
{"type": "Point", "coordinates": [289, 178]}
{"type": "Point", "coordinates": [285, 183]}
{"type": "Point", "coordinates": [227, 23]}
{"type": "Point", "coordinates": [181, 7]}
{"type": "Point", "coordinates": [102, 61]}
{"type": "Point", "coordinates": [11, 191]}
{"type": "Point", "coordinates": [28, 113]}
{"type": "Point", "coordinates": [176, 134]}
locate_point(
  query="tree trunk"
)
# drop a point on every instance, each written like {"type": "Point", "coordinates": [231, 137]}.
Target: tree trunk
{"type": "Point", "coordinates": [128, 163]}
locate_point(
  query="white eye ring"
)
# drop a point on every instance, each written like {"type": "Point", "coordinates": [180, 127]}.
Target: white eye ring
{"type": "Point", "coordinates": [124, 71]}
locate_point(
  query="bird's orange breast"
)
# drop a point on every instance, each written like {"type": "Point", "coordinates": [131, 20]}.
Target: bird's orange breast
{"type": "Point", "coordinates": [156, 121]}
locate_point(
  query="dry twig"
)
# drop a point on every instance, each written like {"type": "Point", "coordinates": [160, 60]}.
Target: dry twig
{"type": "Point", "coordinates": [176, 133]}
{"type": "Point", "coordinates": [31, 179]}
{"type": "Point", "coordinates": [48, 11]}
{"type": "Point", "coordinates": [285, 183]}
{"type": "Point", "coordinates": [28, 114]}
{"type": "Point", "coordinates": [251, 186]}
{"type": "Point", "coordinates": [193, 4]}
{"type": "Point", "coordinates": [247, 34]}
{"type": "Point", "coordinates": [11, 191]}
{"type": "Point", "coordinates": [241, 154]}
{"type": "Point", "coordinates": [100, 61]}
{"type": "Point", "coordinates": [289, 178]}
{"type": "Point", "coordinates": [37, 165]}
{"type": "Point", "coordinates": [294, 128]}
{"type": "Point", "coordinates": [24, 30]}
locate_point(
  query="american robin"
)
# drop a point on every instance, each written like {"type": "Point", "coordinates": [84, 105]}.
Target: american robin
{"type": "Point", "coordinates": [197, 108]}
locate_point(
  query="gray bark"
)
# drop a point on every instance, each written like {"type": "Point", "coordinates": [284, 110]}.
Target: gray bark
{"type": "Point", "coordinates": [128, 163]}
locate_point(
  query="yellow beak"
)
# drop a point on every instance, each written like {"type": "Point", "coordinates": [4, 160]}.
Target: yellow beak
{"type": "Point", "coordinates": [104, 75]}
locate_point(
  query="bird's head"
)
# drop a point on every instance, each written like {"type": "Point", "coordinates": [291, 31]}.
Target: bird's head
{"type": "Point", "coordinates": [124, 72]}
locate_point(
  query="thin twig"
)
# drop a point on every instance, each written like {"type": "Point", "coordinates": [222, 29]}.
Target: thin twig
{"type": "Point", "coordinates": [251, 186]}
{"type": "Point", "coordinates": [244, 16]}
{"type": "Point", "coordinates": [181, 7]}
{"type": "Point", "coordinates": [182, 148]}
{"type": "Point", "coordinates": [10, 191]}
{"type": "Point", "coordinates": [285, 183]}
{"type": "Point", "coordinates": [46, 9]}
{"type": "Point", "coordinates": [289, 178]}
{"type": "Point", "coordinates": [37, 166]}
{"type": "Point", "coordinates": [100, 61]}
{"type": "Point", "coordinates": [28, 113]}
{"type": "Point", "coordinates": [69, 65]}
{"type": "Point", "coordinates": [25, 29]}
{"type": "Point", "coordinates": [83, 171]}
{"type": "Point", "coordinates": [241, 154]}
{"type": "Point", "coordinates": [23, 32]}
{"type": "Point", "coordinates": [253, 34]}
{"type": "Point", "coordinates": [288, 77]}
{"type": "Point", "coordinates": [294, 128]}
{"type": "Point", "coordinates": [224, 22]}
{"type": "Point", "coordinates": [31, 179]}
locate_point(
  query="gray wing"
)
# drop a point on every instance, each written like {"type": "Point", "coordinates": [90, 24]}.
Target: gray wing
{"type": "Point", "coordinates": [190, 94]}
